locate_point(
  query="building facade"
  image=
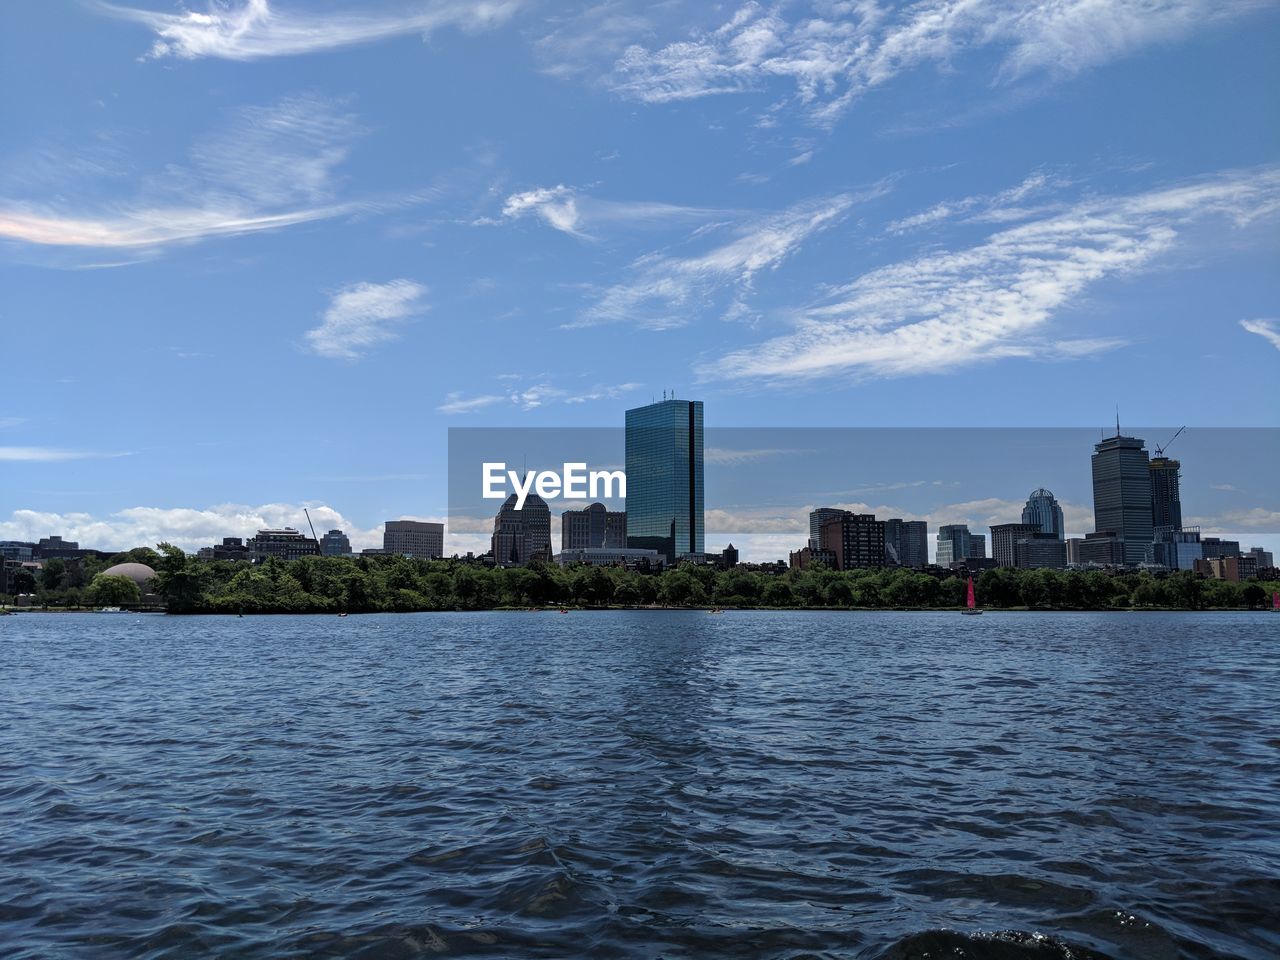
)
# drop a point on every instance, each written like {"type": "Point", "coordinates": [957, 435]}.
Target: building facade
{"type": "Point", "coordinates": [1122, 496]}
{"type": "Point", "coordinates": [906, 543]}
{"type": "Point", "coordinates": [1217, 547]}
{"type": "Point", "coordinates": [414, 538]}
{"type": "Point", "coordinates": [521, 536]}
{"type": "Point", "coordinates": [335, 544]}
{"type": "Point", "coordinates": [1005, 537]}
{"type": "Point", "coordinates": [632, 559]}
{"type": "Point", "coordinates": [1043, 510]}
{"type": "Point", "coordinates": [855, 540]}
{"type": "Point", "coordinates": [817, 518]}
{"type": "Point", "coordinates": [1263, 558]}
{"type": "Point", "coordinates": [284, 544]}
{"type": "Point", "coordinates": [664, 465]}
{"type": "Point", "coordinates": [593, 527]}
{"type": "Point", "coordinates": [1166, 499]}
{"type": "Point", "coordinates": [1040, 551]}
{"type": "Point", "coordinates": [1178, 549]}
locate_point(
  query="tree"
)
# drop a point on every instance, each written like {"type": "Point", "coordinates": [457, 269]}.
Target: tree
{"type": "Point", "coordinates": [52, 575]}
{"type": "Point", "coordinates": [108, 591]}
{"type": "Point", "coordinates": [1254, 596]}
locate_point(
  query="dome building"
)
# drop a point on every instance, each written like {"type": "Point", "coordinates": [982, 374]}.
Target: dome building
{"type": "Point", "coordinates": [139, 573]}
{"type": "Point", "coordinates": [1043, 510]}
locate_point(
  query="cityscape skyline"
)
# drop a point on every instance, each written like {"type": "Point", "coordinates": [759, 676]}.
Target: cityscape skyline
{"type": "Point", "coordinates": [197, 223]}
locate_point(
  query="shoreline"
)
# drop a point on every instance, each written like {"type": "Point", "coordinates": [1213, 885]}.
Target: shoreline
{"type": "Point", "coordinates": [634, 609]}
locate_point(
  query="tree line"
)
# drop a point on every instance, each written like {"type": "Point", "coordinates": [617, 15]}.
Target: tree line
{"type": "Point", "coordinates": [393, 584]}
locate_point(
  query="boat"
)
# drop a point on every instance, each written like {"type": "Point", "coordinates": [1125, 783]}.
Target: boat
{"type": "Point", "coordinates": [1275, 601]}
{"type": "Point", "coordinates": [971, 608]}
{"type": "Point", "coordinates": [109, 610]}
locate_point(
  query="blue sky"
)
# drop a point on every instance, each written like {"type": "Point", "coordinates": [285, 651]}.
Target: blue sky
{"type": "Point", "coordinates": [257, 255]}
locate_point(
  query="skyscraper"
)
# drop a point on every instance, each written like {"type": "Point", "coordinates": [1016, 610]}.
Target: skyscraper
{"type": "Point", "coordinates": [1122, 496]}
{"type": "Point", "coordinates": [664, 478]}
{"type": "Point", "coordinates": [1005, 537]}
{"type": "Point", "coordinates": [413, 538]}
{"type": "Point", "coordinates": [1043, 510]}
{"type": "Point", "coordinates": [817, 518]}
{"type": "Point", "coordinates": [906, 542]}
{"type": "Point", "coordinates": [954, 543]}
{"type": "Point", "coordinates": [856, 540]}
{"type": "Point", "coordinates": [596, 526]}
{"type": "Point", "coordinates": [1166, 501]}
{"type": "Point", "coordinates": [520, 536]}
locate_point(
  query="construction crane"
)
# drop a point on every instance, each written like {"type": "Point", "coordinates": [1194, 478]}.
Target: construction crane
{"type": "Point", "coordinates": [1160, 450]}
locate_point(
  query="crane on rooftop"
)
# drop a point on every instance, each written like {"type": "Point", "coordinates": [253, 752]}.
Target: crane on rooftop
{"type": "Point", "coordinates": [1160, 450]}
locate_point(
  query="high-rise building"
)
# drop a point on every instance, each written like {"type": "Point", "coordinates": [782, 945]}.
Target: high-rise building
{"type": "Point", "coordinates": [1217, 547]}
{"type": "Point", "coordinates": [1264, 558]}
{"type": "Point", "coordinates": [285, 544]}
{"type": "Point", "coordinates": [954, 543]}
{"type": "Point", "coordinates": [817, 518]}
{"type": "Point", "coordinates": [906, 542]}
{"type": "Point", "coordinates": [664, 478]}
{"type": "Point", "coordinates": [1073, 549]}
{"type": "Point", "coordinates": [1122, 496]}
{"type": "Point", "coordinates": [1039, 551]}
{"type": "Point", "coordinates": [1178, 549]}
{"type": "Point", "coordinates": [1005, 537]}
{"type": "Point", "coordinates": [335, 544]}
{"type": "Point", "coordinates": [1166, 502]}
{"type": "Point", "coordinates": [977, 547]}
{"type": "Point", "coordinates": [414, 538]}
{"type": "Point", "coordinates": [1043, 510]}
{"type": "Point", "coordinates": [856, 540]}
{"type": "Point", "coordinates": [521, 536]}
{"type": "Point", "coordinates": [593, 527]}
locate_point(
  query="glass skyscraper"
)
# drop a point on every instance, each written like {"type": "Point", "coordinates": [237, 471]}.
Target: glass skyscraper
{"type": "Point", "coordinates": [664, 478]}
{"type": "Point", "coordinates": [1043, 510]}
{"type": "Point", "coordinates": [1166, 501]}
{"type": "Point", "coordinates": [1122, 496]}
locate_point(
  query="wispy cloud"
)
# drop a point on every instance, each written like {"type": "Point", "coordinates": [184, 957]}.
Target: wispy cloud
{"type": "Point", "coordinates": [365, 314]}
{"type": "Point", "coordinates": [723, 457]}
{"type": "Point", "coordinates": [456, 403]}
{"type": "Point", "coordinates": [1268, 329]}
{"type": "Point", "coordinates": [533, 396]}
{"type": "Point", "coordinates": [1004, 206]}
{"type": "Point", "coordinates": [51, 455]}
{"type": "Point", "coordinates": [665, 287]}
{"type": "Point", "coordinates": [269, 167]}
{"type": "Point", "coordinates": [945, 310]}
{"type": "Point", "coordinates": [255, 29]}
{"type": "Point", "coordinates": [571, 211]}
{"type": "Point", "coordinates": [832, 54]}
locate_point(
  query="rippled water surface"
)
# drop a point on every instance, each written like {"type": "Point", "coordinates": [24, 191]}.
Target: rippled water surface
{"type": "Point", "coordinates": [645, 784]}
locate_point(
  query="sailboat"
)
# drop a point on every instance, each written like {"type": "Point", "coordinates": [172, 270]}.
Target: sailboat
{"type": "Point", "coordinates": [1275, 601]}
{"type": "Point", "coordinates": [971, 608]}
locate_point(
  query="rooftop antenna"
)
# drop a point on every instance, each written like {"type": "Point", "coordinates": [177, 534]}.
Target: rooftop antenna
{"type": "Point", "coordinates": [1117, 419]}
{"type": "Point", "coordinates": [1160, 450]}
{"type": "Point", "coordinates": [311, 525]}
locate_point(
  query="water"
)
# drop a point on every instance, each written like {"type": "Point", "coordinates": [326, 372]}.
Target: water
{"type": "Point", "coordinates": [640, 785]}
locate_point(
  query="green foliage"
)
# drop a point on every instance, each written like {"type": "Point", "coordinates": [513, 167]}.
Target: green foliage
{"type": "Point", "coordinates": [107, 591]}
{"type": "Point", "coordinates": [373, 584]}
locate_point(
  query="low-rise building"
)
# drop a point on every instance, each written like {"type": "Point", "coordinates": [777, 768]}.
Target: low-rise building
{"type": "Point", "coordinates": [414, 538]}
{"type": "Point", "coordinates": [1228, 568]}
{"type": "Point", "coordinates": [1040, 551]}
{"type": "Point", "coordinates": [807, 557]}
{"type": "Point", "coordinates": [633, 558]}
{"type": "Point", "coordinates": [335, 543]}
{"type": "Point", "coordinates": [284, 544]}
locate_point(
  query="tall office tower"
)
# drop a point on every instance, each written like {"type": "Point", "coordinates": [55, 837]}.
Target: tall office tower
{"type": "Point", "coordinates": [1122, 496]}
{"type": "Point", "coordinates": [664, 478]}
{"type": "Point", "coordinates": [333, 544]}
{"type": "Point", "coordinates": [954, 543]}
{"type": "Point", "coordinates": [1264, 558]}
{"type": "Point", "coordinates": [1004, 541]}
{"type": "Point", "coordinates": [977, 546]}
{"type": "Point", "coordinates": [1166, 503]}
{"type": "Point", "coordinates": [817, 518]}
{"type": "Point", "coordinates": [1043, 510]}
{"type": "Point", "coordinates": [855, 539]}
{"type": "Point", "coordinates": [521, 536]}
{"type": "Point", "coordinates": [595, 526]}
{"type": "Point", "coordinates": [906, 542]}
{"type": "Point", "coordinates": [415, 538]}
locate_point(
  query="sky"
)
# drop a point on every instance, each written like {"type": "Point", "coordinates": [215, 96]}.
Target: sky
{"type": "Point", "coordinates": [258, 255]}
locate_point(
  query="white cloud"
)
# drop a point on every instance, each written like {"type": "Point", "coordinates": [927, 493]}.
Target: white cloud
{"type": "Point", "coordinates": [457, 403]}
{"type": "Point", "coordinates": [944, 310]}
{"type": "Point", "coordinates": [667, 288]}
{"type": "Point", "coordinates": [254, 29]}
{"type": "Point", "coordinates": [833, 53]}
{"type": "Point", "coordinates": [364, 314]}
{"type": "Point", "coordinates": [1000, 207]}
{"type": "Point", "coordinates": [1269, 330]}
{"type": "Point", "coordinates": [49, 454]}
{"type": "Point", "coordinates": [533, 396]}
{"type": "Point", "coordinates": [268, 168]}
{"type": "Point", "coordinates": [570, 211]}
